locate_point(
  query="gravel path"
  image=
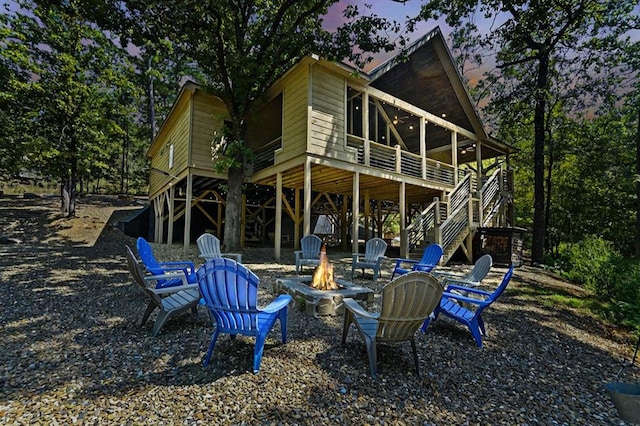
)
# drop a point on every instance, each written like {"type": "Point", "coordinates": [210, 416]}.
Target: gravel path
{"type": "Point", "coordinates": [73, 351]}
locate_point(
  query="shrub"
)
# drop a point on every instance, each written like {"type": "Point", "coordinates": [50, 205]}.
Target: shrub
{"type": "Point", "coordinates": [589, 262]}
{"type": "Point", "coordinates": [594, 264]}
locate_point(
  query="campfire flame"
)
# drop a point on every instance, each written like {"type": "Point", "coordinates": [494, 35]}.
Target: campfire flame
{"type": "Point", "coordinates": [323, 275]}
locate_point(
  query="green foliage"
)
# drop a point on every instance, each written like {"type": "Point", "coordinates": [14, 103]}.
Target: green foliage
{"type": "Point", "coordinates": [589, 262]}
{"type": "Point", "coordinates": [612, 278]}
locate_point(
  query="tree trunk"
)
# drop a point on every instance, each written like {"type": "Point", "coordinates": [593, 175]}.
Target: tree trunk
{"type": "Point", "coordinates": [233, 210]}
{"type": "Point", "coordinates": [537, 246]}
{"type": "Point", "coordinates": [547, 208]}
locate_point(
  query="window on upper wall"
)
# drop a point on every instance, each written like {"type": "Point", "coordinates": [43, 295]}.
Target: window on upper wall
{"type": "Point", "coordinates": [354, 112]}
{"type": "Point", "coordinates": [171, 156]}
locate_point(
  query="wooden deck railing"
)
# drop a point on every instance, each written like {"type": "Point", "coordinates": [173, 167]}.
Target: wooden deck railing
{"type": "Point", "coordinates": [265, 156]}
{"type": "Point", "coordinates": [394, 159]}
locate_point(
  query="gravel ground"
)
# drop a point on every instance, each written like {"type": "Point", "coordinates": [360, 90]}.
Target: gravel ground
{"type": "Point", "coordinates": [73, 350]}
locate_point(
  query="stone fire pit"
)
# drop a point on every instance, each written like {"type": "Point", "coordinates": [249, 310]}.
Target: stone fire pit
{"type": "Point", "coordinates": [321, 302]}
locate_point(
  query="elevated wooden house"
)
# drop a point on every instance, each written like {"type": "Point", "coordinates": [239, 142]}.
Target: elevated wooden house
{"type": "Point", "coordinates": [352, 147]}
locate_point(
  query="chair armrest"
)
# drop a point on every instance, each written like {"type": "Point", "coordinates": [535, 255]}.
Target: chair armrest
{"type": "Point", "coordinates": [358, 310]}
{"type": "Point", "coordinates": [459, 281]}
{"type": "Point", "coordinates": [401, 261]}
{"type": "Point", "coordinates": [277, 304]}
{"type": "Point", "coordinates": [424, 267]}
{"type": "Point", "coordinates": [170, 290]}
{"type": "Point", "coordinates": [463, 299]}
{"type": "Point", "coordinates": [462, 288]}
{"type": "Point", "coordinates": [179, 264]}
{"type": "Point", "coordinates": [446, 275]}
{"type": "Point", "coordinates": [168, 276]}
{"type": "Point", "coordinates": [297, 253]}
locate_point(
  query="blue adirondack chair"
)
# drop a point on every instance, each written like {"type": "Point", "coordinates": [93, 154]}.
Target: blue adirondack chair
{"type": "Point", "coordinates": [158, 268]}
{"type": "Point", "coordinates": [430, 259]}
{"type": "Point", "coordinates": [452, 304]}
{"type": "Point", "coordinates": [230, 291]}
{"type": "Point", "coordinates": [309, 254]}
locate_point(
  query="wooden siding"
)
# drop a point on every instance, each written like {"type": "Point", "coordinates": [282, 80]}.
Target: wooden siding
{"type": "Point", "coordinates": [208, 117]}
{"type": "Point", "coordinates": [328, 116]}
{"type": "Point", "coordinates": [177, 134]}
{"type": "Point", "coordinates": [294, 111]}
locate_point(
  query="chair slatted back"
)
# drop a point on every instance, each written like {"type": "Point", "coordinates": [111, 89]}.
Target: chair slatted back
{"type": "Point", "coordinates": [145, 251]}
{"type": "Point", "coordinates": [406, 302]}
{"type": "Point", "coordinates": [138, 276]}
{"type": "Point", "coordinates": [310, 246]}
{"type": "Point", "coordinates": [374, 248]}
{"type": "Point", "coordinates": [230, 290]}
{"type": "Point", "coordinates": [431, 255]}
{"type": "Point", "coordinates": [480, 269]}
{"type": "Point", "coordinates": [209, 246]}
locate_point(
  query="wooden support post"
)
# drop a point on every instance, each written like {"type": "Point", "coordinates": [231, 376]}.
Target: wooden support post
{"type": "Point", "coordinates": [423, 146]}
{"type": "Point", "coordinates": [355, 209]}
{"type": "Point", "coordinates": [307, 198]}
{"type": "Point", "coordinates": [277, 238]}
{"type": "Point", "coordinates": [404, 245]}
{"type": "Point", "coordinates": [296, 220]}
{"type": "Point", "coordinates": [479, 170]}
{"type": "Point", "coordinates": [187, 212]}
{"type": "Point", "coordinates": [367, 215]}
{"type": "Point", "coordinates": [172, 206]}
{"type": "Point", "coordinates": [343, 223]}
{"type": "Point", "coordinates": [454, 156]}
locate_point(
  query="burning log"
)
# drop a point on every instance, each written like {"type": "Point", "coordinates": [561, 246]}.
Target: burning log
{"type": "Point", "coordinates": [323, 274]}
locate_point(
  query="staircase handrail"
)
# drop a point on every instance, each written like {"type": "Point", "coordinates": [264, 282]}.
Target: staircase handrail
{"type": "Point", "coordinates": [421, 225]}
{"type": "Point", "coordinates": [457, 222]}
{"type": "Point", "coordinates": [460, 193]}
{"type": "Point", "coordinates": [490, 189]}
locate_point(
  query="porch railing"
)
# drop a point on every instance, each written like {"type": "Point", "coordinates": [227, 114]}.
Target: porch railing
{"type": "Point", "coordinates": [265, 156]}
{"type": "Point", "coordinates": [394, 159]}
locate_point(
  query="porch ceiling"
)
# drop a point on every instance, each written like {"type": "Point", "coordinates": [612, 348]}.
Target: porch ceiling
{"type": "Point", "coordinates": [337, 181]}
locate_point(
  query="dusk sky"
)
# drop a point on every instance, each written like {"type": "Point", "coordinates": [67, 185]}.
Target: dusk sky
{"type": "Point", "coordinates": [390, 10]}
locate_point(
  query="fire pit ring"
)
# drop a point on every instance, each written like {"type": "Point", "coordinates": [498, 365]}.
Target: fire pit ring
{"type": "Point", "coordinates": [322, 302]}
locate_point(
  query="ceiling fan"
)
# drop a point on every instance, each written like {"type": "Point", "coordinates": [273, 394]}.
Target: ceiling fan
{"type": "Point", "coordinates": [467, 148]}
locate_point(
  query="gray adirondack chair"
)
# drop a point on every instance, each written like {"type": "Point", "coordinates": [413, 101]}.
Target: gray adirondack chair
{"type": "Point", "coordinates": [373, 256]}
{"type": "Point", "coordinates": [170, 300]}
{"type": "Point", "coordinates": [309, 253]}
{"type": "Point", "coordinates": [406, 302]}
{"type": "Point", "coordinates": [473, 278]}
{"type": "Point", "coordinates": [209, 246]}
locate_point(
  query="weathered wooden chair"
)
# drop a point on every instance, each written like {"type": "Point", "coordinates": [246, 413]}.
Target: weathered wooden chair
{"type": "Point", "coordinates": [453, 304]}
{"type": "Point", "coordinates": [161, 268]}
{"type": "Point", "coordinates": [374, 251]}
{"type": "Point", "coordinates": [309, 253]}
{"type": "Point", "coordinates": [209, 246]}
{"type": "Point", "coordinates": [170, 300]}
{"type": "Point", "coordinates": [230, 291]}
{"type": "Point", "coordinates": [473, 279]}
{"type": "Point", "coordinates": [406, 302]}
{"type": "Point", "coordinates": [430, 258]}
